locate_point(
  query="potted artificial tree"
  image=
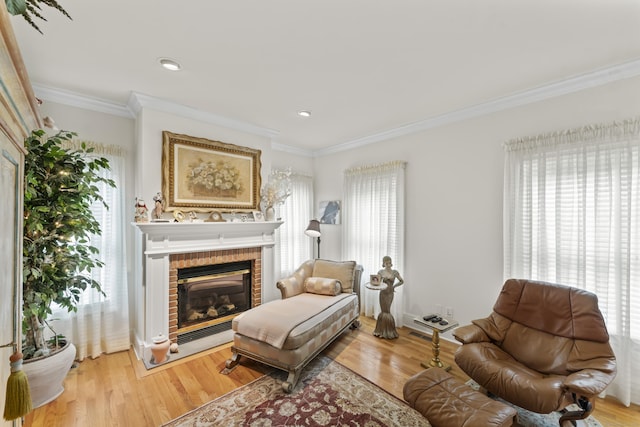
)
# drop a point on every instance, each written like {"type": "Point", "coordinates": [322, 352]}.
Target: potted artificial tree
{"type": "Point", "coordinates": [60, 185]}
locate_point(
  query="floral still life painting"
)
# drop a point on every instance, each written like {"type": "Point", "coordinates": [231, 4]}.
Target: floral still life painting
{"type": "Point", "coordinates": [202, 174]}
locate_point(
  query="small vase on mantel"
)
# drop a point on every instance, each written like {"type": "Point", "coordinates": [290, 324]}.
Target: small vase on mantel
{"type": "Point", "coordinates": [159, 348]}
{"type": "Point", "coordinates": [270, 213]}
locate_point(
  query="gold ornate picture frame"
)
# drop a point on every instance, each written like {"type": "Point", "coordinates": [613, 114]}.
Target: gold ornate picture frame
{"type": "Point", "coordinates": [202, 174]}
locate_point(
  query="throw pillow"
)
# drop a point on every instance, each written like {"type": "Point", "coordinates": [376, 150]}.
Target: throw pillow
{"type": "Point", "coordinates": [340, 270]}
{"type": "Point", "coordinates": [322, 286]}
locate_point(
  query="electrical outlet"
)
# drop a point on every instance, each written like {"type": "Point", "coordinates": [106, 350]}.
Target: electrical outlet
{"type": "Point", "coordinates": [449, 312]}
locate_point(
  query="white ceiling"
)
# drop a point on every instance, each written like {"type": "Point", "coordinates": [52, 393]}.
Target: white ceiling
{"type": "Point", "coordinates": [363, 67]}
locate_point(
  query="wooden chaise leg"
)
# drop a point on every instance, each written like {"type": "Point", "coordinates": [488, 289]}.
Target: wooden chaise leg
{"type": "Point", "coordinates": [233, 361]}
{"type": "Point", "coordinates": [292, 380]}
{"type": "Point", "coordinates": [586, 408]}
{"type": "Point", "coordinates": [355, 324]}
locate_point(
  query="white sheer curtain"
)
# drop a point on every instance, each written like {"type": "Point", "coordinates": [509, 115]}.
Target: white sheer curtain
{"type": "Point", "coordinates": [101, 323]}
{"type": "Point", "coordinates": [572, 216]}
{"type": "Point", "coordinates": [294, 247]}
{"type": "Point", "coordinates": [373, 226]}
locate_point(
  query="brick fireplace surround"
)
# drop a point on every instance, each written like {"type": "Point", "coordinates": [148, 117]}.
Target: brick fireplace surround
{"type": "Point", "coordinates": [162, 248]}
{"type": "Point", "coordinates": [194, 259]}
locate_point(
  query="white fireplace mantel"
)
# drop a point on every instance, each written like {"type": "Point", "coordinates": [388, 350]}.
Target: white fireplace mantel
{"type": "Point", "coordinates": [156, 241]}
{"type": "Point", "coordinates": [183, 237]}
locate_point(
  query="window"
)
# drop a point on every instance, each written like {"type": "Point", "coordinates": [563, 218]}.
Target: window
{"type": "Point", "coordinates": [101, 323]}
{"type": "Point", "coordinates": [373, 226]}
{"type": "Point", "coordinates": [572, 216]}
{"type": "Point", "coordinates": [294, 246]}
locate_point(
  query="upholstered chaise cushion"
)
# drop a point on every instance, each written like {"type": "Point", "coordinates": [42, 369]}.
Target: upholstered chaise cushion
{"type": "Point", "coordinates": [273, 322]}
{"type": "Point", "coordinates": [307, 338]}
{"type": "Point", "coordinates": [341, 270]}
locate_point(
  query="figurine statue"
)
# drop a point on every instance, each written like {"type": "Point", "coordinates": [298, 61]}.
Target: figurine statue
{"type": "Point", "coordinates": [386, 324]}
{"type": "Point", "coordinates": [159, 209]}
{"type": "Point", "coordinates": [141, 211]}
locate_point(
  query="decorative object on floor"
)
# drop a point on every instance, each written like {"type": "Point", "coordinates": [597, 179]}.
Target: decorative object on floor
{"type": "Point", "coordinates": [47, 374]}
{"type": "Point", "coordinates": [329, 212]}
{"type": "Point", "coordinates": [55, 271]}
{"type": "Point", "coordinates": [391, 279]}
{"type": "Point", "coordinates": [275, 191]}
{"type": "Point", "coordinates": [327, 394]}
{"type": "Point", "coordinates": [313, 230]}
{"type": "Point", "coordinates": [531, 419]}
{"type": "Point", "coordinates": [202, 174]}
{"type": "Point", "coordinates": [159, 349]}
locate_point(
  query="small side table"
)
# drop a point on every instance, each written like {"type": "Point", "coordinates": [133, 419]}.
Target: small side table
{"type": "Point", "coordinates": [435, 341]}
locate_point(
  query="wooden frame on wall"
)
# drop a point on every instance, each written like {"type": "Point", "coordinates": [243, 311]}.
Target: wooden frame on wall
{"type": "Point", "coordinates": [202, 174]}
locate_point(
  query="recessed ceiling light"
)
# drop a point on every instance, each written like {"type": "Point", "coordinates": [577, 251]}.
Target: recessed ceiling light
{"type": "Point", "coordinates": [304, 113]}
{"type": "Point", "coordinates": [170, 64]}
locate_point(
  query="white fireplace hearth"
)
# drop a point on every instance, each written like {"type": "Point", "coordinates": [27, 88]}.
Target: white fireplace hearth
{"type": "Point", "coordinates": [163, 248]}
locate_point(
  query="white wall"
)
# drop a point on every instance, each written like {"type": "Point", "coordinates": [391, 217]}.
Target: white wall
{"type": "Point", "coordinates": [299, 164]}
{"type": "Point", "coordinates": [454, 195]}
{"type": "Point", "coordinates": [454, 183]}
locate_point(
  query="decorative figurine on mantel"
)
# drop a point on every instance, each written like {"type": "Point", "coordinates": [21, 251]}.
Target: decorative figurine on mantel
{"type": "Point", "coordinates": [386, 324]}
{"type": "Point", "coordinates": [141, 212]}
{"type": "Point", "coordinates": [159, 206]}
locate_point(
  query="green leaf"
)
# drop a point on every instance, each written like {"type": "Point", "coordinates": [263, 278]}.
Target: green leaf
{"type": "Point", "coordinates": [16, 7]}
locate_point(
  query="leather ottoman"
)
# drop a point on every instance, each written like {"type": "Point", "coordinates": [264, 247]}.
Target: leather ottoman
{"type": "Point", "coordinates": [446, 402]}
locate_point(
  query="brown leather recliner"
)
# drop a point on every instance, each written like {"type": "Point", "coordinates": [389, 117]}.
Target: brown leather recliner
{"type": "Point", "coordinates": [544, 347]}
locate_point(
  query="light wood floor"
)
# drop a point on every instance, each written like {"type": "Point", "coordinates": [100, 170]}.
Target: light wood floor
{"type": "Point", "coordinates": [116, 390]}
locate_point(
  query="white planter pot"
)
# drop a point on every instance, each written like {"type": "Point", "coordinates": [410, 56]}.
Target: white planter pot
{"type": "Point", "coordinates": [46, 375]}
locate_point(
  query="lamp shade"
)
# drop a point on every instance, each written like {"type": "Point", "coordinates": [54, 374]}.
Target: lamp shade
{"type": "Point", "coordinates": [313, 230]}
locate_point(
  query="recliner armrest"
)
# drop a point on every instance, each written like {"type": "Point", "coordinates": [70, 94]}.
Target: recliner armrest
{"type": "Point", "coordinates": [589, 382]}
{"type": "Point", "coordinates": [470, 333]}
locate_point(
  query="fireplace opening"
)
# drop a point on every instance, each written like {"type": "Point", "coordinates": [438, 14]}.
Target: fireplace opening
{"type": "Point", "coordinates": [210, 296]}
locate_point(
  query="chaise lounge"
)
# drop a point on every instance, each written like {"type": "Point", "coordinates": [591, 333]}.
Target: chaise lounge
{"type": "Point", "coordinates": [319, 301]}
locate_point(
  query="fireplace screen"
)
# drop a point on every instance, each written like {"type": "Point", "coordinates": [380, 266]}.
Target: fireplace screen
{"type": "Point", "coordinates": [211, 294]}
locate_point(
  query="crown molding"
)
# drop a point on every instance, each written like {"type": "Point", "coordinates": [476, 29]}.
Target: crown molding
{"type": "Point", "coordinates": [138, 101]}
{"type": "Point", "coordinates": [561, 87]}
{"type": "Point", "coordinates": [85, 102]}
{"type": "Point", "coordinates": [291, 149]}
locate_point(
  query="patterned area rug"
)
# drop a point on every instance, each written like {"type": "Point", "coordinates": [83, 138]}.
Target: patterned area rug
{"type": "Point", "coordinates": [328, 394]}
{"type": "Point", "coordinates": [531, 419]}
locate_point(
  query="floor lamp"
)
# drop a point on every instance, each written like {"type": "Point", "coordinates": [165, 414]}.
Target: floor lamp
{"type": "Point", "coordinates": [313, 230]}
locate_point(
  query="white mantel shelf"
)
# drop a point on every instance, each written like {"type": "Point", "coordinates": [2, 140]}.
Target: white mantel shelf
{"type": "Point", "coordinates": [184, 237]}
